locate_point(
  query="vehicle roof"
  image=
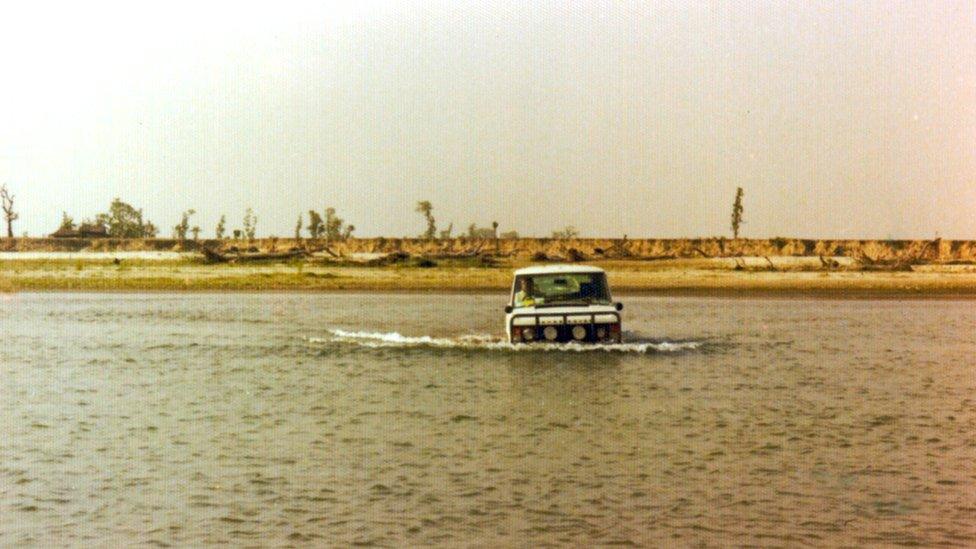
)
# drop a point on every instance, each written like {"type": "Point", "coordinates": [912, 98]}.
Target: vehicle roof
{"type": "Point", "coordinates": [557, 269]}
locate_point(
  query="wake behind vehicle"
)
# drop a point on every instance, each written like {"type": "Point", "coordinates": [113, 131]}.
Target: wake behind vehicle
{"type": "Point", "coordinates": [562, 303]}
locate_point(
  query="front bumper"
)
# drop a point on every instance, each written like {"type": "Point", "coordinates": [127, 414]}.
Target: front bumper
{"type": "Point", "coordinates": [601, 327]}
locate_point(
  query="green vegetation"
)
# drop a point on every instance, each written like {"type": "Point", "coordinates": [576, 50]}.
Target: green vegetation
{"type": "Point", "coordinates": [221, 227]}
{"type": "Point", "coordinates": [335, 227]}
{"type": "Point", "coordinates": [331, 227]}
{"type": "Point", "coordinates": [315, 226]}
{"type": "Point", "coordinates": [67, 222]}
{"type": "Point", "coordinates": [250, 224]}
{"type": "Point", "coordinates": [183, 227]}
{"type": "Point", "coordinates": [124, 221]}
{"type": "Point", "coordinates": [121, 221]}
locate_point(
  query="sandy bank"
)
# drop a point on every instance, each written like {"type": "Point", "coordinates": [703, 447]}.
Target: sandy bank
{"type": "Point", "coordinates": [96, 256]}
{"type": "Point", "coordinates": [590, 249]}
{"type": "Point", "coordinates": [792, 276]}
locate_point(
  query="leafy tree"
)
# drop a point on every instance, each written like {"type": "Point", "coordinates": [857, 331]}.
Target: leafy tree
{"type": "Point", "coordinates": [67, 223]}
{"type": "Point", "coordinates": [494, 228]}
{"type": "Point", "coordinates": [298, 228]}
{"type": "Point", "coordinates": [221, 227]}
{"type": "Point", "coordinates": [333, 225]}
{"type": "Point", "coordinates": [181, 229]}
{"type": "Point", "coordinates": [425, 208]}
{"type": "Point", "coordinates": [8, 209]}
{"type": "Point", "coordinates": [237, 234]}
{"type": "Point", "coordinates": [124, 221]}
{"type": "Point", "coordinates": [315, 225]}
{"type": "Point", "coordinates": [196, 232]}
{"type": "Point", "coordinates": [250, 224]}
{"type": "Point", "coordinates": [737, 213]}
{"type": "Point", "coordinates": [568, 232]}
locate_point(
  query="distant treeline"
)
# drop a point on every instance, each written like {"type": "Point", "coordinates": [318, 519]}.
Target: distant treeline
{"type": "Point", "coordinates": [122, 220]}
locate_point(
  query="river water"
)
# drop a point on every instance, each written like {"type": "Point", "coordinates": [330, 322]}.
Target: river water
{"type": "Point", "coordinates": [393, 420]}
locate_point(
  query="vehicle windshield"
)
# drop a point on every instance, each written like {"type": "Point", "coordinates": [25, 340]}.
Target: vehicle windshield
{"type": "Point", "coordinates": [560, 289]}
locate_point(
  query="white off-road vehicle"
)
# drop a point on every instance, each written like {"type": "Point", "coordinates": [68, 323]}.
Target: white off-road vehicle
{"type": "Point", "coordinates": [562, 303]}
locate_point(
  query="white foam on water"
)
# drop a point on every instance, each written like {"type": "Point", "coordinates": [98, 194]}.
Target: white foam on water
{"type": "Point", "coordinates": [486, 342]}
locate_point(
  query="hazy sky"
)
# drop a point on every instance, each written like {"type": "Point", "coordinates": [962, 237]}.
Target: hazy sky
{"type": "Point", "coordinates": [840, 119]}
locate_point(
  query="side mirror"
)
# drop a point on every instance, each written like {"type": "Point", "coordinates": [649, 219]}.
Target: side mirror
{"type": "Point", "coordinates": [619, 306]}
{"type": "Point", "coordinates": [508, 309]}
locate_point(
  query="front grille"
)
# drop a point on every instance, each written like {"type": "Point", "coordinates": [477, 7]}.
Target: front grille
{"type": "Point", "coordinates": [564, 324]}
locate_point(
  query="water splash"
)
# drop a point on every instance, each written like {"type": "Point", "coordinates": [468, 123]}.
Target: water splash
{"type": "Point", "coordinates": [633, 344]}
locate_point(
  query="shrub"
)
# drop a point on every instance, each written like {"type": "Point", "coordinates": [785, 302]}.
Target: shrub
{"type": "Point", "coordinates": [575, 255]}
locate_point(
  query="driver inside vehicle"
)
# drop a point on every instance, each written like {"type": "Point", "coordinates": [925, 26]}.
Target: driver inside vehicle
{"type": "Point", "coordinates": [524, 297]}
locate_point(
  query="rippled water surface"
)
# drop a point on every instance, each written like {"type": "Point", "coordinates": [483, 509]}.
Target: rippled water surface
{"type": "Point", "coordinates": [272, 419]}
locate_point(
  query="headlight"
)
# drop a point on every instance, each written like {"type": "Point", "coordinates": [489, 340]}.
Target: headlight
{"type": "Point", "coordinates": [528, 334]}
{"type": "Point", "coordinates": [601, 333]}
{"type": "Point", "coordinates": [579, 332]}
{"type": "Point", "coordinates": [551, 333]}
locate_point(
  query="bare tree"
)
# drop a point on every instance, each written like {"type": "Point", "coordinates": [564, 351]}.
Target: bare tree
{"type": "Point", "coordinates": [446, 234]}
{"type": "Point", "coordinates": [474, 231]}
{"type": "Point", "coordinates": [737, 213]}
{"type": "Point", "coordinates": [568, 232]}
{"type": "Point", "coordinates": [8, 210]}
